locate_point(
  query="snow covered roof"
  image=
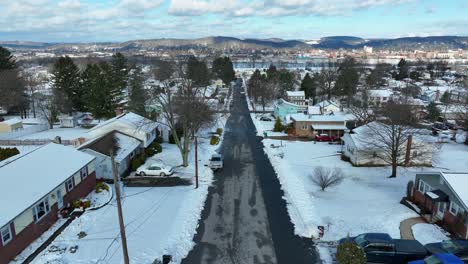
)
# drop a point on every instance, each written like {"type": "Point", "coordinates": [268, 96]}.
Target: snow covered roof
{"type": "Point", "coordinates": [329, 127]}
{"type": "Point", "coordinates": [131, 119]}
{"type": "Point", "coordinates": [380, 93]}
{"type": "Point", "coordinates": [327, 103]}
{"type": "Point", "coordinates": [295, 93]}
{"type": "Point", "coordinates": [282, 101]}
{"type": "Point", "coordinates": [28, 178]}
{"type": "Point", "coordinates": [459, 184]}
{"type": "Point", "coordinates": [314, 110]}
{"type": "Point", "coordinates": [119, 143]}
{"type": "Point", "coordinates": [12, 121]}
{"type": "Point", "coordinates": [317, 118]}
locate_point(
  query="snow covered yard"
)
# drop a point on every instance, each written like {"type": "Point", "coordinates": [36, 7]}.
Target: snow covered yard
{"type": "Point", "coordinates": [366, 201]}
{"type": "Point", "coordinates": [265, 126]}
{"type": "Point", "coordinates": [427, 233]}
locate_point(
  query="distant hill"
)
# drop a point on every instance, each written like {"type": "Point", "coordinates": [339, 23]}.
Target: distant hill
{"type": "Point", "coordinates": [221, 42]}
{"type": "Point", "coordinates": [345, 42]}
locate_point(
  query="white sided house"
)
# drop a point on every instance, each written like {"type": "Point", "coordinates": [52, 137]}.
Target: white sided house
{"type": "Point", "coordinates": [130, 124]}
{"type": "Point", "coordinates": [296, 97]}
{"type": "Point", "coordinates": [123, 147]}
{"type": "Point", "coordinates": [35, 188]}
{"type": "Point", "coordinates": [364, 149]}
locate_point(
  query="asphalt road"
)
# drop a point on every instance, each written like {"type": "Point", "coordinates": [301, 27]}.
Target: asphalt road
{"type": "Point", "coordinates": [245, 219]}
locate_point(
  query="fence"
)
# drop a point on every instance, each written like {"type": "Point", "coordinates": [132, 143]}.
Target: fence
{"type": "Point", "coordinates": [36, 142]}
{"type": "Point", "coordinates": [24, 132]}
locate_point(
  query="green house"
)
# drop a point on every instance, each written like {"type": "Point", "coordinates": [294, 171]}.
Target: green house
{"type": "Point", "coordinates": [283, 108]}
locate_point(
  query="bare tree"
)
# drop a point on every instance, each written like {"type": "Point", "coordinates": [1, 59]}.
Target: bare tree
{"type": "Point", "coordinates": [327, 177]}
{"type": "Point", "coordinates": [388, 139]}
{"type": "Point", "coordinates": [47, 107]}
{"type": "Point", "coordinates": [329, 74]}
{"type": "Point", "coordinates": [361, 110]}
{"type": "Point", "coordinates": [184, 108]}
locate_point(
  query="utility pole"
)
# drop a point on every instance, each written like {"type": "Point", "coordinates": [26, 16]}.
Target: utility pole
{"type": "Point", "coordinates": [196, 162]}
{"type": "Point", "coordinates": [119, 210]}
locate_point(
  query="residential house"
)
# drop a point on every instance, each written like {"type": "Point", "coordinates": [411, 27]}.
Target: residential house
{"type": "Point", "coordinates": [443, 198]}
{"type": "Point", "coordinates": [380, 97]}
{"type": "Point", "coordinates": [123, 147]}
{"type": "Point", "coordinates": [283, 108]}
{"type": "Point", "coordinates": [459, 95]}
{"type": "Point", "coordinates": [69, 121]}
{"type": "Point", "coordinates": [329, 107]}
{"type": "Point", "coordinates": [312, 125]}
{"type": "Point", "coordinates": [129, 123]}
{"type": "Point", "coordinates": [11, 125]}
{"type": "Point", "coordinates": [34, 188]}
{"type": "Point", "coordinates": [364, 148]}
{"type": "Point", "coordinates": [296, 97]}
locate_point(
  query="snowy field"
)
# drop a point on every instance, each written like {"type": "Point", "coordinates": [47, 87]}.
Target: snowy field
{"type": "Point", "coordinates": [366, 201]}
{"type": "Point", "coordinates": [158, 220]}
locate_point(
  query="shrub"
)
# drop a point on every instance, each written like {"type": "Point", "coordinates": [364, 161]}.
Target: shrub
{"type": "Point", "coordinates": [219, 131]}
{"type": "Point", "coordinates": [149, 151]}
{"type": "Point", "coordinates": [214, 140]}
{"type": "Point", "coordinates": [278, 126]}
{"type": "Point", "coordinates": [100, 186]}
{"type": "Point", "coordinates": [6, 153]}
{"type": "Point", "coordinates": [138, 161]}
{"type": "Point", "coordinates": [81, 203]}
{"type": "Point", "coordinates": [349, 253]}
{"type": "Point", "coordinates": [157, 147]}
{"type": "Point", "coordinates": [325, 177]}
{"type": "Point", "coordinates": [409, 189]}
{"type": "Point", "coordinates": [171, 139]}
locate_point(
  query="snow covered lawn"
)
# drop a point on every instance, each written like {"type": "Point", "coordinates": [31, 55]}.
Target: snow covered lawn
{"type": "Point", "coordinates": [366, 201]}
{"type": "Point", "coordinates": [427, 233]}
{"type": "Point", "coordinates": [265, 126]}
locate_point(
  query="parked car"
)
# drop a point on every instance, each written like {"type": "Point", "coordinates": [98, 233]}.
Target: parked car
{"type": "Point", "coordinates": [382, 248]}
{"type": "Point", "coordinates": [443, 258]}
{"type": "Point", "coordinates": [156, 169]}
{"type": "Point", "coordinates": [457, 247]}
{"type": "Point", "coordinates": [216, 161]}
{"type": "Point", "coordinates": [324, 137]}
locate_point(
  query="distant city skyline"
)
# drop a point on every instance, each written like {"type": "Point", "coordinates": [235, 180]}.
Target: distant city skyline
{"type": "Point", "coordinates": [121, 20]}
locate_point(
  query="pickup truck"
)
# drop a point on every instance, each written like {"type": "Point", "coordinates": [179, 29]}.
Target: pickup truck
{"type": "Point", "coordinates": [382, 248]}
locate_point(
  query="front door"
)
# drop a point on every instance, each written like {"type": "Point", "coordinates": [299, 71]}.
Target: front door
{"type": "Point", "coordinates": [59, 199]}
{"type": "Point", "coordinates": [440, 210]}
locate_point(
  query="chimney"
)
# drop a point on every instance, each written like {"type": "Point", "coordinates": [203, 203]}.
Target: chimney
{"type": "Point", "coordinates": [119, 110]}
{"type": "Point", "coordinates": [408, 150]}
{"type": "Point", "coordinates": [58, 140]}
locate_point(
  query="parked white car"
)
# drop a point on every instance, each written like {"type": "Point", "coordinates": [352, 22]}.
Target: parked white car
{"type": "Point", "coordinates": [155, 169]}
{"type": "Point", "coordinates": [216, 162]}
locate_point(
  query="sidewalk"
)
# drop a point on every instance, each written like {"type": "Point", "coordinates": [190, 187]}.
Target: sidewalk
{"type": "Point", "coordinates": [405, 227]}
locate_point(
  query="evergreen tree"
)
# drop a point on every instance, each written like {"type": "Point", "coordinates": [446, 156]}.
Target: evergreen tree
{"type": "Point", "coordinates": [433, 111]}
{"type": "Point", "coordinates": [349, 253]}
{"type": "Point", "coordinates": [286, 81]}
{"type": "Point", "coordinates": [309, 87]}
{"type": "Point", "coordinates": [445, 99]}
{"type": "Point", "coordinates": [98, 86]}
{"type": "Point", "coordinates": [223, 69]}
{"type": "Point", "coordinates": [137, 94]}
{"type": "Point", "coordinates": [7, 61]}
{"type": "Point", "coordinates": [197, 71]}
{"type": "Point", "coordinates": [67, 86]}
{"type": "Point", "coordinates": [278, 126]}
{"type": "Point", "coordinates": [119, 77]}
{"type": "Point", "coordinates": [403, 69]}
{"type": "Point", "coordinates": [348, 79]}
{"type": "Point", "coordinates": [272, 73]}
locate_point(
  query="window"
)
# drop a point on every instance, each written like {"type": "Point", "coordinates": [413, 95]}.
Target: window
{"type": "Point", "coordinates": [70, 184]}
{"type": "Point", "coordinates": [6, 234]}
{"type": "Point", "coordinates": [424, 187]}
{"type": "Point", "coordinates": [41, 209]}
{"type": "Point", "coordinates": [304, 127]}
{"type": "Point", "coordinates": [84, 173]}
{"type": "Point", "coordinates": [454, 208]}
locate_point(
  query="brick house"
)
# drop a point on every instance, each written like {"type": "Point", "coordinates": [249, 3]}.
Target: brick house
{"type": "Point", "coordinates": [443, 198]}
{"type": "Point", "coordinates": [34, 188]}
{"type": "Point", "coordinates": [312, 125]}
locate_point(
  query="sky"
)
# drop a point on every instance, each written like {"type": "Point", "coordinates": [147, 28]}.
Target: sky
{"type": "Point", "coordinates": [123, 20]}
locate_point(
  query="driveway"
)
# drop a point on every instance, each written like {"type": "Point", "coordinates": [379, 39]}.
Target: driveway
{"type": "Point", "coordinates": [245, 218]}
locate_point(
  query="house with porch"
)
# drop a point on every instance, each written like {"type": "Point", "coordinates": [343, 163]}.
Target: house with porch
{"type": "Point", "coordinates": [311, 125]}
{"type": "Point", "coordinates": [35, 188]}
{"type": "Point", "coordinates": [443, 199]}
{"type": "Point", "coordinates": [122, 146]}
